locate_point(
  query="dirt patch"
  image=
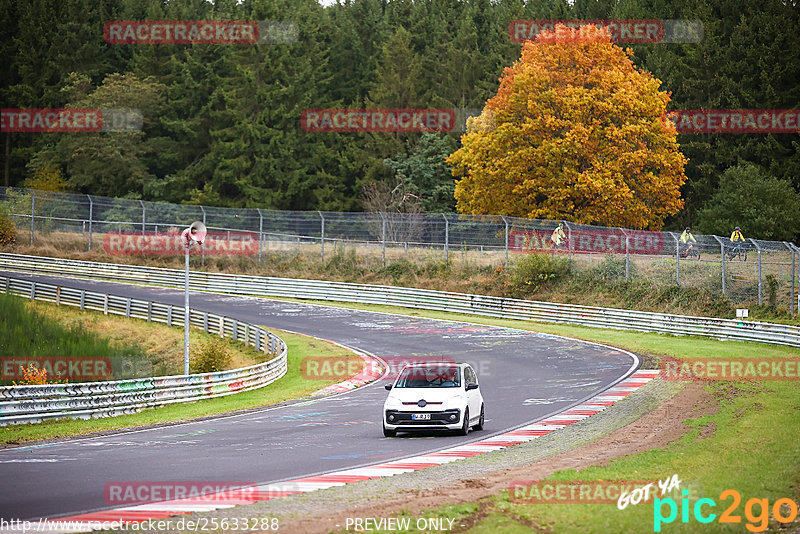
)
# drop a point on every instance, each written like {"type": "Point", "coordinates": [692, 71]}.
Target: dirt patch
{"type": "Point", "coordinates": [652, 431]}
{"type": "Point", "coordinates": [707, 431]}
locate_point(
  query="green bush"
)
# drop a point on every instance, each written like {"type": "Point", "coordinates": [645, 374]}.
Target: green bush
{"type": "Point", "coordinates": [611, 268]}
{"type": "Point", "coordinates": [436, 269]}
{"type": "Point", "coordinates": [399, 269]}
{"type": "Point", "coordinates": [8, 230]}
{"type": "Point", "coordinates": [766, 207]}
{"type": "Point", "coordinates": [772, 290]}
{"type": "Point", "coordinates": [211, 357]}
{"type": "Point", "coordinates": [344, 261]}
{"type": "Point", "coordinates": [532, 271]}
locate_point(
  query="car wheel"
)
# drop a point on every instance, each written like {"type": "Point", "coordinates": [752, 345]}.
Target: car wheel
{"type": "Point", "coordinates": [389, 433]}
{"type": "Point", "coordinates": [464, 430]}
{"type": "Point", "coordinates": [479, 426]}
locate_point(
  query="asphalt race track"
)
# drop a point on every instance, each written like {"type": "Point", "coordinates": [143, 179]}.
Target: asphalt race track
{"type": "Point", "coordinates": [523, 376]}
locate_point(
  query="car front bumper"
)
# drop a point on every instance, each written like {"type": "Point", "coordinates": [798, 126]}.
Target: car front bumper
{"type": "Point", "coordinates": [403, 420]}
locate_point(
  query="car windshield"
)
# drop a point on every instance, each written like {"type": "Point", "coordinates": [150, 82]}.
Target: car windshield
{"type": "Point", "coordinates": [429, 377]}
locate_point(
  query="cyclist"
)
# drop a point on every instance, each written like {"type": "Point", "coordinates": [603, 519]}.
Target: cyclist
{"type": "Point", "coordinates": [558, 235]}
{"type": "Point", "coordinates": [687, 239]}
{"type": "Point", "coordinates": [736, 239]}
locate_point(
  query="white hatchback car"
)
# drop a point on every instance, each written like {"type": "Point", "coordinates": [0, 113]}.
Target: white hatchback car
{"type": "Point", "coordinates": [433, 396]}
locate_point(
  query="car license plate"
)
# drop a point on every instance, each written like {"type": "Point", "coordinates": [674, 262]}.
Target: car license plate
{"type": "Point", "coordinates": [420, 416]}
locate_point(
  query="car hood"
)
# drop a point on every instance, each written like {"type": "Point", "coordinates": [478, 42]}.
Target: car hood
{"type": "Point", "coordinates": [430, 395]}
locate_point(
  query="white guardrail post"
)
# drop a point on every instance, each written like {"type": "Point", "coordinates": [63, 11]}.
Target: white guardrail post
{"type": "Point", "coordinates": [89, 400]}
{"type": "Point", "coordinates": [427, 299]}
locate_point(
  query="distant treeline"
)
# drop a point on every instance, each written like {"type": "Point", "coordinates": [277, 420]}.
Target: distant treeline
{"type": "Point", "coordinates": [221, 122]}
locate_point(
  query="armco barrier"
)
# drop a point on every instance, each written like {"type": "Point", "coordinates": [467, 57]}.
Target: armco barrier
{"type": "Point", "coordinates": [87, 400]}
{"type": "Point", "coordinates": [414, 298]}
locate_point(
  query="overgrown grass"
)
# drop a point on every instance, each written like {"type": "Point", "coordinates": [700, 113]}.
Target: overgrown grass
{"type": "Point", "coordinates": [26, 330]}
{"type": "Point", "coordinates": [293, 385]}
{"type": "Point", "coordinates": [148, 349]}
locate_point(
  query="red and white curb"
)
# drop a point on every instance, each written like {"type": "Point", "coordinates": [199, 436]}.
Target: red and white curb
{"type": "Point", "coordinates": [161, 510]}
{"type": "Point", "coordinates": [373, 370]}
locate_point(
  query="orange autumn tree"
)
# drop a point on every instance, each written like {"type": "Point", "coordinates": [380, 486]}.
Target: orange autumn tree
{"type": "Point", "coordinates": [575, 132]}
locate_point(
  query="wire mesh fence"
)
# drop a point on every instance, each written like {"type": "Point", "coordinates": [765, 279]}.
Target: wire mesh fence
{"type": "Point", "coordinates": [746, 272]}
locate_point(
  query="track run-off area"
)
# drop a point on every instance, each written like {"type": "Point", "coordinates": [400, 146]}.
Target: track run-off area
{"type": "Point", "coordinates": [524, 377]}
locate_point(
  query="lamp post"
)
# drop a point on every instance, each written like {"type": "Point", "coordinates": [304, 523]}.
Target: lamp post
{"type": "Point", "coordinates": [196, 233]}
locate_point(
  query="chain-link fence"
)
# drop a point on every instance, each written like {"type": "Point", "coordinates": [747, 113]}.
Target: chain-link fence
{"type": "Point", "coordinates": [750, 271]}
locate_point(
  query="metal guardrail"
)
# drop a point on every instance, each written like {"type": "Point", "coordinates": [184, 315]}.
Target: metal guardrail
{"type": "Point", "coordinates": [87, 400]}
{"type": "Point", "coordinates": [426, 299]}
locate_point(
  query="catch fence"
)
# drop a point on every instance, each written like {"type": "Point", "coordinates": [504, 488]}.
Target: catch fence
{"type": "Point", "coordinates": [753, 271]}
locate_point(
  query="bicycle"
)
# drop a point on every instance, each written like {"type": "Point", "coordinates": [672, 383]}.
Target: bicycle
{"type": "Point", "coordinates": [691, 252]}
{"type": "Point", "coordinates": [734, 252]}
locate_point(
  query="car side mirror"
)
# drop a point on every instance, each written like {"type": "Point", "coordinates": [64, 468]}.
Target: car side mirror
{"type": "Point", "coordinates": [472, 385]}
{"type": "Point", "coordinates": [388, 387]}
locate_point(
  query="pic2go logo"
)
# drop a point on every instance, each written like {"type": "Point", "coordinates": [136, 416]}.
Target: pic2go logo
{"type": "Point", "coordinates": [783, 510]}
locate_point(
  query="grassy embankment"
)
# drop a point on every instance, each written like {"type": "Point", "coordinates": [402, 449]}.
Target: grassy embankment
{"type": "Point", "coordinates": [41, 329]}
{"type": "Point", "coordinates": [750, 445]}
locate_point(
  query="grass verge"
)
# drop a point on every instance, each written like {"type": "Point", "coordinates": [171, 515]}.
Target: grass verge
{"type": "Point", "coordinates": [149, 349]}
{"type": "Point", "coordinates": [165, 342]}
{"type": "Point", "coordinates": [30, 329]}
{"type": "Point", "coordinates": [749, 445]}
